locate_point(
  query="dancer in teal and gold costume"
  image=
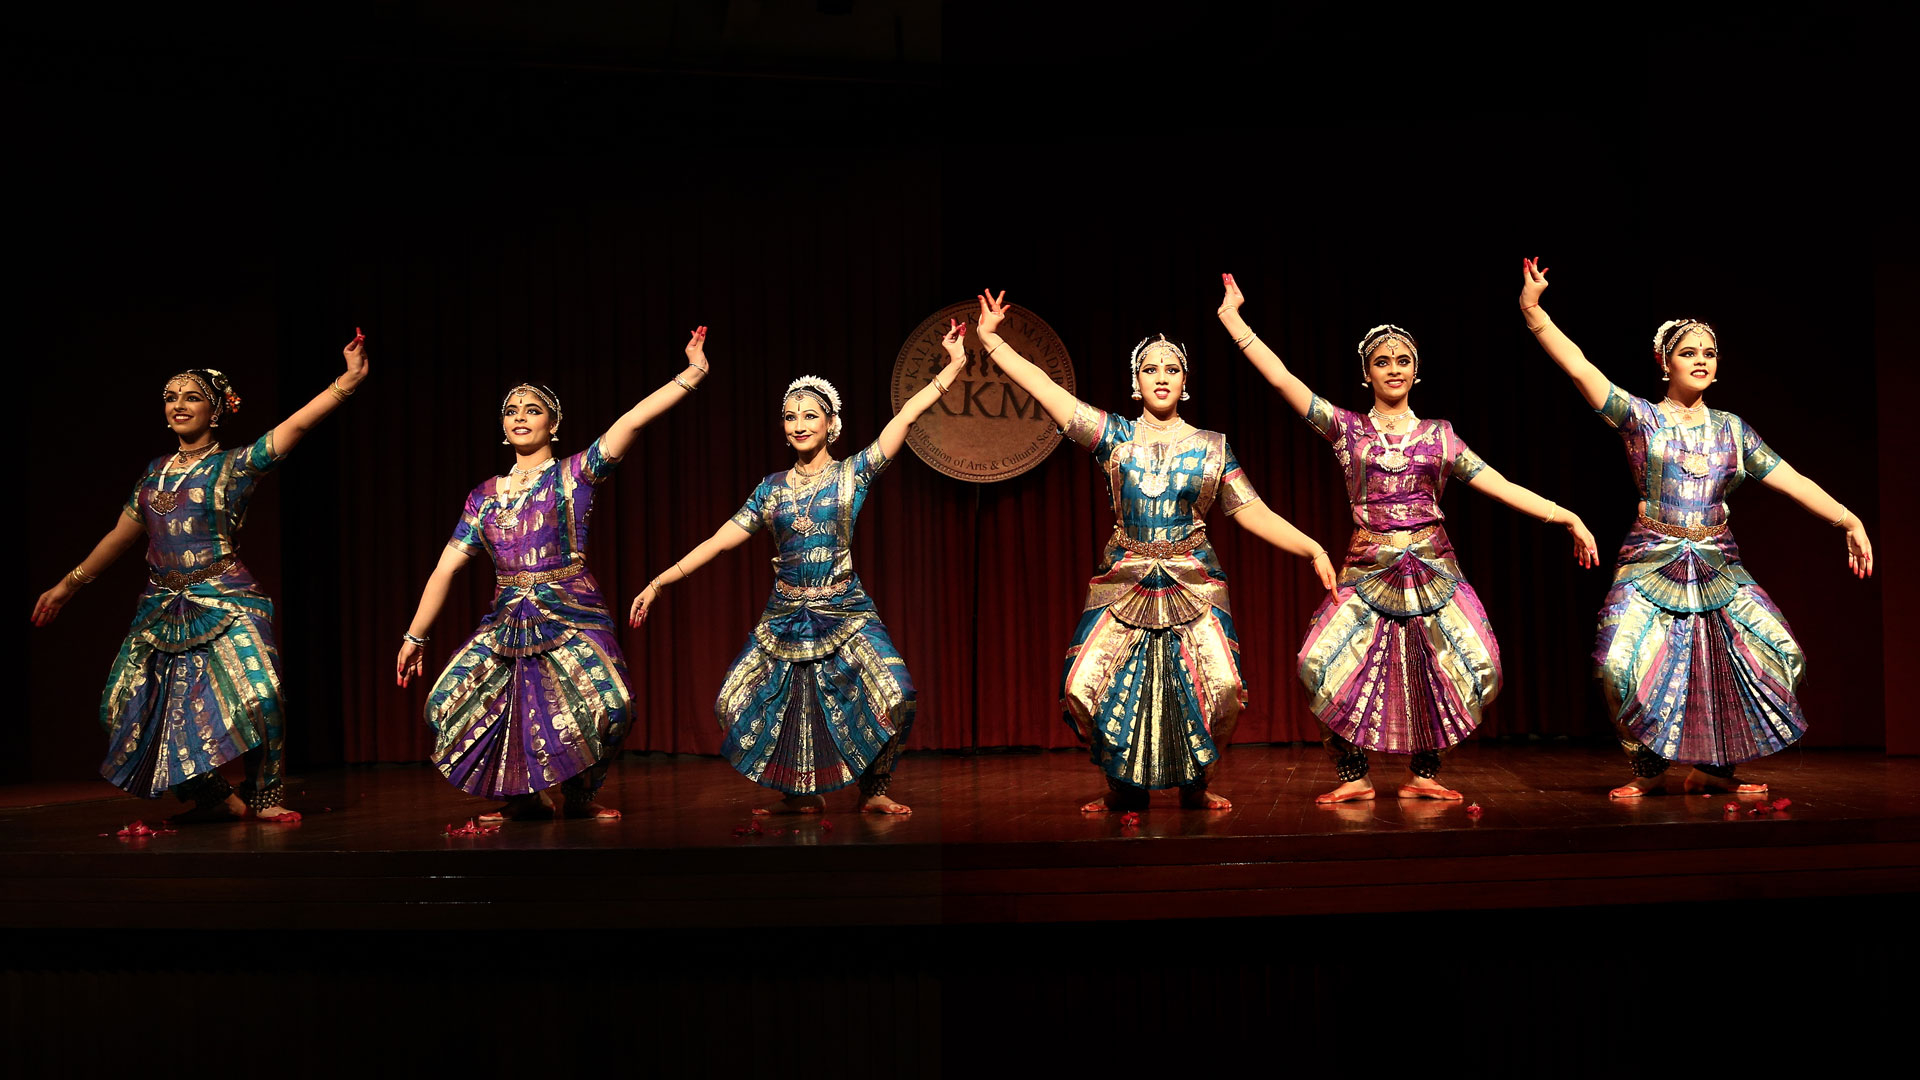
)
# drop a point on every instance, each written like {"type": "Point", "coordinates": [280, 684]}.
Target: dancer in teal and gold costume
{"type": "Point", "coordinates": [1698, 664]}
{"type": "Point", "coordinates": [819, 698]}
{"type": "Point", "coordinates": [197, 682]}
{"type": "Point", "coordinates": [1152, 677]}
{"type": "Point", "coordinates": [536, 697]}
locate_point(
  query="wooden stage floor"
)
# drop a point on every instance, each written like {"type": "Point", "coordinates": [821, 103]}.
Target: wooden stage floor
{"type": "Point", "coordinates": [995, 838]}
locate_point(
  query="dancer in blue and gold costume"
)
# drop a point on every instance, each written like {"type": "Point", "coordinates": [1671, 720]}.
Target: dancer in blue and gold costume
{"type": "Point", "coordinates": [197, 681]}
{"type": "Point", "coordinates": [819, 698]}
{"type": "Point", "coordinates": [1152, 678]}
{"type": "Point", "coordinates": [1697, 662]}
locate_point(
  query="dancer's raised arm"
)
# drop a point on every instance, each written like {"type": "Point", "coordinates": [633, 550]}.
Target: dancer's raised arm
{"type": "Point", "coordinates": [1057, 401]}
{"type": "Point", "coordinates": [619, 437]}
{"type": "Point", "coordinates": [894, 435]}
{"type": "Point", "coordinates": [288, 433]}
{"type": "Point", "coordinates": [1592, 383]}
{"type": "Point", "coordinates": [1297, 394]}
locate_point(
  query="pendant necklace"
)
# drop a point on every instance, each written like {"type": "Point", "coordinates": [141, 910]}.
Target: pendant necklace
{"type": "Point", "coordinates": [509, 514]}
{"type": "Point", "coordinates": [814, 484]}
{"type": "Point", "coordinates": [1694, 463]}
{"type": "Point", "coordinates": [1155, 471]}
{"type": "Point", "coordinates": [164, 501]}
{"type": "Point", "coordinates": [1388, 456]}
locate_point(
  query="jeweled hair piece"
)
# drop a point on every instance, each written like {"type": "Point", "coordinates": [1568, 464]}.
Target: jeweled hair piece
{"type": "Point", "coordinates": [551, 399]}
{"type": "Point", "coordinates": [821, 391]}
{"type": "Point", "coordinates": [216, 386]}
{"type": "Point", "coordinates": [1371, 340]}
{"type": "Point", "coordinates": [1133, 362]}
{"type": "Point", "coordinates": [1669, 336]}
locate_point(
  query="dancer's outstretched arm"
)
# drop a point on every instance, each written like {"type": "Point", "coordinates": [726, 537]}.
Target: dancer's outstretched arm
{"type": "Point", "coordinates": [1296, 393]}
{"type": "Point", "coordinates": [412, 660]}
{"type": "Point", "coordinates": [1259, 519]}
{"type": "Point", "coordinates": [1593, 385]}
{"type": "Point", "coordinates": [1488, 481]}
{"type": "Point", "coordinates": [894, 435]}
{"type": "Point", "coordinates": [1801, 489]}
{"type": "Point", "coordinates": [125, 533]}
{"type": "Point", "coordinates": [1057, 401]}
{"type": "Point", "coordinates": [619, 438]}
{"type": "Point", "coordinates": [288, 433]}
{"type": "Point", "coordinates": [725, 538]}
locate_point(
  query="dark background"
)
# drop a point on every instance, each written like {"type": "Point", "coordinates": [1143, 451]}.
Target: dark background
{"type": "Point", "coordinates": [560, 193]}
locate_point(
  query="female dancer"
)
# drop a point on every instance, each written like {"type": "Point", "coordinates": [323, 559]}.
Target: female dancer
{"type": "Point", "coordinates": [1152, 680]}
{"type": "Point", "coordinates": [538, 695]}
{"type": "Point", "coordinates": [1400, 658]}
{"type": "Point", "coordinates": [1697, 663]}
{"type": "Point", "coordinates": [819, 698]}
{"type": "Point", "coordinates": [197, 681]}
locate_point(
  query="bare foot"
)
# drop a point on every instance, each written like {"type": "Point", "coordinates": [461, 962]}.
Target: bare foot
{"type": "Point", "coordinates": [589, 809]}
{"type": "Point", "coordinates": [1204, 800]}
{"type": "Point", "coordinates": [230, 809]}
{"type": "Point", "coordinates": [795, 804]}
{"type": "Point", "coordinates": [1352, 791]}
{"type": "Point", "coordinates": [880, 804]}
{"type": "Point", "coordinates": [534, 807]}
{"type": "Point", "coordinates": [1422, 787]}
{"type": "Point", "coordinates": [1638, 786]}
{"type": "Point", "coordinates": [1699, 781]}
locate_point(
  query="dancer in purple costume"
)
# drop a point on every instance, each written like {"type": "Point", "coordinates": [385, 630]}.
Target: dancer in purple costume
{"type": "Point", "coordinates": [1400, 659]}
{"type": "Point", "coordinates": [1697, 662]}
{"type": "Point", "coordinates": [197, 682]}
{"type": "Point", "coordinates": [538, 696]}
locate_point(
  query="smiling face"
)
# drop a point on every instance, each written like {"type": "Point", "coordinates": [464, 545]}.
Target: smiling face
{"type": "Point", "coordinates": [527, 421]}
{"type": "Point", "coordinates": [188, 408]}
{"type": "Point", "coordinates": [1391, 368]}
{"type": "Point", "coordinates": [1161, 378]}
{"type": "Point", "coordinates": [1693, 362]}
{"type": "Point", "coordinates": [806, 421]}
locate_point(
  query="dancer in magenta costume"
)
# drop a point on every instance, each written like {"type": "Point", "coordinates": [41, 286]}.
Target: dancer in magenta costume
{"type": "Point", "coordinates": [1697, 662]}
{"type": "Point", "coordinates": [1400, 659]}
{"type": "Point", "coordinates": [197, 682]}
{"type": "Point", "coordinates": [537, 696]}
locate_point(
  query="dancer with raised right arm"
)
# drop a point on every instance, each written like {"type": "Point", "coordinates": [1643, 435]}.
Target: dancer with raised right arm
{"type": "Point", "coordinates": [1400, 659]}
{"type": "Point", "coordinates": [1697, 662]}
{"type": "Point", "coordinates": [1152, 680]}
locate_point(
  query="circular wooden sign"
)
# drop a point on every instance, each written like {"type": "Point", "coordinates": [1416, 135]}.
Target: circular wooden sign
{"type": "Point", "coordinates": [985, 427]}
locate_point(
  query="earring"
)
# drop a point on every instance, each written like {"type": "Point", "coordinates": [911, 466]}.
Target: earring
{"type": "Point", "coordinates": [1416, 381]}
{"type": "Point", "coordinates": [504, 441]}
{"type": "Point", "coordinates": [1663, 374]}
{"type": "Point", "coordinates": [1184, 396]}
{"type": "Point", "coordinates": [555, 437]}
{"type": "Point", "coordinates": [1136, 395]}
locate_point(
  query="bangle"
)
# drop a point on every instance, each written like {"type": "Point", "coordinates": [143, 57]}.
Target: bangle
{"type": "Point", "coordinates": [942, 389]}
{"type": "Point", "coordinates": [335, 388]}
{"type": "Point", "coordinates": [681, 382]}
{"type": "Point", "coordinates": [1528, 307]}
{"type": "Point", "coordinates": [80, 576]}
{"type": "Point", "coordinates": [1544, 323]}
{"type": "Point", "coordinates": [1551, 514]}
{"type": "Point", "coordinates": [1242, 343]}
{"type": "Point", "coordinates": [1318, 553]}
{"type": "Point", "coordinates": [990, 352]}
{"type": "Point", "coordinates": [416, 639]}
{"type": "Point", "coordinates": [1842, 520]}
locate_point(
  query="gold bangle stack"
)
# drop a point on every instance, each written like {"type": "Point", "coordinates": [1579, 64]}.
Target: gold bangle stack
{"type": "Point", "coordinates": [338, 391]}
{"type": "Point", "coordinates": [80, 576]}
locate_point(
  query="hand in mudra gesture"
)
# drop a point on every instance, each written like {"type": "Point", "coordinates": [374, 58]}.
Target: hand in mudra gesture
{"type": "Point", "coordinates": [1234, 297]}
{"type": "Point", "coordinates": [1533, 282]}
{"type": "Point", "coordinates": [355, 354]}
{"type": "Point", "coordinates": [697, 349]}
{"type": "Point", "coordinates": [993, 311]}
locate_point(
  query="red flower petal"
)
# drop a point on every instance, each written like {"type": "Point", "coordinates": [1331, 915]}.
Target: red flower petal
{"type": "Point", "coordinates": [1733, 808]}
{"type": "Point", "coordinates": [1473, 809]}
{"type": "Point", "coordinates": [1782, 803]}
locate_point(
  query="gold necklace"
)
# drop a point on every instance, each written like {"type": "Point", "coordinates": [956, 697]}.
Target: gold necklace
{"type": "Point", "coordinates": [509, 514]}
{"type": "Point", "coordinates": [803, 522]}
{"type": "Point", "coordinates": [1172, 425]}
{"type": "Point", "coordinates": [1694, 463]}
{"type": "Point", "coordinates": [164, 501]}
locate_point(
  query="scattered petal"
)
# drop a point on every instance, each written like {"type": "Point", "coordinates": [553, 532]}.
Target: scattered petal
{"type": "Point", "coordinates": [1782, 803]}
{"type": "Point", "coordinates": [1733, 808]}
{"type": "Point", "coordinates": [826, 825]}
{"type": "Point", "coordinates": [1130, 818]}
{"type": "Point", "coordinates": [1473, 809]}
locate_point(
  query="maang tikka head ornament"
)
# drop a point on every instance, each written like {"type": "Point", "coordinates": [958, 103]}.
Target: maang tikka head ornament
{"type": "Point", "coordinates": [216, 387]}
{"type": "Point", "coordinates": [821, 391]}
{"type": "Point", "coordinates": [1148, 344]}
{"type": "Point", "coordinates": [1371, 340]}
{"type": "Point", "coordinates": [547, 397]}
{"type": "Point", "coordinates": [1671, 333]}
